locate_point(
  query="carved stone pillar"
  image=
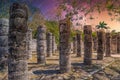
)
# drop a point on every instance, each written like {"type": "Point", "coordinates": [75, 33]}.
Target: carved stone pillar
{"type": "Point", "coordinates": [65, 63]}
{"type": "Point", "coordinates": [108, 44]}
{"type": "Point", "coordinates": [4, 28]}
{"type": "Point", "coordinates": [118, 43]}
{"type": "Point", "coordinates": [53, 44]}
{"type": "Point", "coordinates": [75, 45]}
{"type": "Point", "coordinates": [78, 36]}
{"type": "Point", "coordinates": [41, 45]}
{"type": "Point", "coordinates": [101, 40]}
{"type": "Point", "coordinates": [29, 43]}
{"type": "Point", "coordinates": [87, 45]}
{"type": "Point", "coordinates": [49, 44]}
{"type": "Point", "coordinates": [17, 60]}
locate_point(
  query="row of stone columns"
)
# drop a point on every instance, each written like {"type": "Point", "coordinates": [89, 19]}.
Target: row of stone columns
{"type": "Point", "coordinates": [103, 42]}
{"type": "Point", "coordinates": [46, 44]}
{"type": "Point", "coordinates": [17, 58]}
{"type": "Point", "coordinates": [77, 44]}
{"type": "Point", "coordinates": [65, 63]}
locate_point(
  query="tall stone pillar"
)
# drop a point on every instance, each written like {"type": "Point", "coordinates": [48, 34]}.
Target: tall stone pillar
{"type": "Point", "coordinates": [71, 45]}
{"type": "Point", "coordinates": [53, 44]}
{"type": "Point", "coordinates": [49, 44]}
{"type": "Point", "coordinates": [41, 44]}
{"type": "Point", "coordinates": [64, 29]}
{"type": "Point", "coordinates": [95, 43]}
{"type": "Point", "coordinates": [87, 45]}
{"type": "Point", "coordinates": [29, 43]}
{"type": "Point", "coordinates": [78, 35]}
{"type": "Point", "coordinates": [118, 43]}
{"type": "Point", "coordinates": [4, 28]}
{"type": "Point", "coordinates": [114, 44]}
{"type": "Point", "coordinates": [101, 40]}
{"type": "Point", "coordinates": [108, 44]}
{"type": "Point", "coordinates": [75, 45]}
{"type": "Point", "coordinates": [17, 60]}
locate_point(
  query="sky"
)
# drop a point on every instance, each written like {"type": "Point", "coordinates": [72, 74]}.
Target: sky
{"type": "Point", "coordinates": [48, 9]}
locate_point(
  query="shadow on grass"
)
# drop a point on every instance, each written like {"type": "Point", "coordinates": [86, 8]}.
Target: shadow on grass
{"type": "Point", "coordinates": [47, 72]}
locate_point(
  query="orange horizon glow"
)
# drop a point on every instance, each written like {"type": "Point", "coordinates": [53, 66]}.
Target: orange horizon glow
{"type": "Point", "coordinates": [99, 17]}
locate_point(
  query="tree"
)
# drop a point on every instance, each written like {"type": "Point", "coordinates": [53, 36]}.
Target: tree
{"type": "Point", "coordinates": [102, 25]}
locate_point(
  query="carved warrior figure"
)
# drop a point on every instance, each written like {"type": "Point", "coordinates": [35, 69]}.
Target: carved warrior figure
{"type": "Point", "coordinates": [41, 44]}
{"type": "Point", "coordinates": [49, 44]}
{"type": "Point", "coordinates": [108, 44]}
{"type": "Point", "coordinates": [65, 64]}
{"type": "Point", "coordinates": [78, 36]}
{"type": "Point", "coordinates": [87, 45]}
{"type": "Point", "coordinates": [17, 60]}
{"type": "Point", "coordinates": [4, 28]}
{"type": "Point", "coordinates": [101, 40]}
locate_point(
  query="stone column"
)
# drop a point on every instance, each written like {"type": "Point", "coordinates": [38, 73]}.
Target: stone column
{"type": "Point", "coordinates": [29, 43]}
{"type": "Point", "coordinates": [41, 44]}
{"type": "Point", "coordinates": [95, 43]}
{"type": "Point", "coordinates": [4, 28]}
{"type": "Point", "coordinates": [87, 45]}
{"type": "Point", "coordinates": [71, 45]}
{"type": "Point", "coordinates": [108, 44]}
{"type": "Point", "coordinates": [56, 47]}
{"type": "Point", "coordinates": [49, 44]}
{"type": "Point", "coordinates": [114, 44]}
{"type": "Point", "coordinates": [101, 40]}
{"type": "Point", "coordinates": [75, 45]}
{"type": "Point", "coordinates": [118, 43]}
{"type": "Point", "coordinates": [53, 44]}
{"type": "Point", "coordinates": [65, 63]}
{"type": "Point", "coordinates": [78, 35]}
{"type": "Point", "coordinates": [17, 60]}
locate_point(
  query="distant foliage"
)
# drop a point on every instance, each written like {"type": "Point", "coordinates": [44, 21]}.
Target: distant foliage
{"type": "Point", "coordinates": [53, 27]}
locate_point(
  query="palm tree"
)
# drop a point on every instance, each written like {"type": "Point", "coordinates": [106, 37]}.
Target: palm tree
{"type": "Point", "coordinates": [102, 25]}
